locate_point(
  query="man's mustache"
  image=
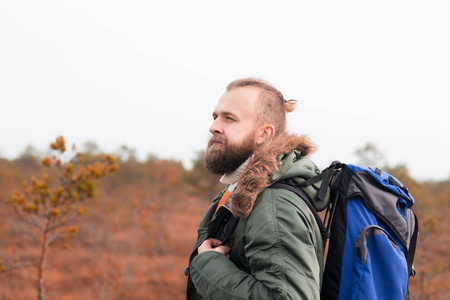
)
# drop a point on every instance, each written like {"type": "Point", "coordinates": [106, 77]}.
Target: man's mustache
{"type": "Point", "coordinates": [216, 139]}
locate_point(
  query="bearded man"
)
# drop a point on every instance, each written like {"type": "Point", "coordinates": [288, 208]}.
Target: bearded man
{"type": "Point", "coordinates": [275, 251]}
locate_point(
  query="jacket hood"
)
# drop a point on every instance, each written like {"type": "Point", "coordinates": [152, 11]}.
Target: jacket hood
{"type": "Point", "coordinates": [282, 157]}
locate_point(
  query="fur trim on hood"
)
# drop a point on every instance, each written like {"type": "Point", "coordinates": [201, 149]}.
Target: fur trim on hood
{"type": "Point", "coordinates": [261, 166]}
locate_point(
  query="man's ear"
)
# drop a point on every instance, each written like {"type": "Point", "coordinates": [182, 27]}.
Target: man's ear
{"type": "Point", "coordinates": [263, 133]}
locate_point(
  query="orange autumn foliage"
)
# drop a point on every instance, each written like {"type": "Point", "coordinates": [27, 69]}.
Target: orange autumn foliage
{"type": "Point", "coordinates": [51, 203]}
{"type": "Point", "coordinates": [133, 239]}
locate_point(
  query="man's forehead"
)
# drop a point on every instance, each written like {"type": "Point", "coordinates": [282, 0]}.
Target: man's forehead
{"type": "Point", "coordinates": [242, 98]}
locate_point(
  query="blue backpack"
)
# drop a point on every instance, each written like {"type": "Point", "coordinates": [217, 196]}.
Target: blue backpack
{"type": "Point", "coordinates": [372, 230]}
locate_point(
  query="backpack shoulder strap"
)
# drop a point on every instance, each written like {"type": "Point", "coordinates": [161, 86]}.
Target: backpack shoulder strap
{"type": "Point", "coordinates": [230, 227]}
{"type": "Point", "coordinates": [323, 231]}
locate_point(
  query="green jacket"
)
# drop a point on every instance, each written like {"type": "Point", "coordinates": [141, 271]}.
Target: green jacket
{"type": "Point", "coordinates": [276, 248]}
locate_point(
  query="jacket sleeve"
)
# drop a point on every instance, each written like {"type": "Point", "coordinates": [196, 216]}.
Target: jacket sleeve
{"type": "Point", "coordinates": [282, 250]}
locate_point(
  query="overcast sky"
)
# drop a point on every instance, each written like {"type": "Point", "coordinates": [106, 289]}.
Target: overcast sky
{"type": "Point", "coordinates": [147, 74]}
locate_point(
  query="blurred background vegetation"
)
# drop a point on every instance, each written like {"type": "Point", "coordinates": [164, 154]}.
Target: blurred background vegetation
{"type": "Point", "coordinates": [131, 235]}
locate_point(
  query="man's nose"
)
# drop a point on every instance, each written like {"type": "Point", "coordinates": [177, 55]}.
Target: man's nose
{"type": "Point", "coordinates": [216, 128]}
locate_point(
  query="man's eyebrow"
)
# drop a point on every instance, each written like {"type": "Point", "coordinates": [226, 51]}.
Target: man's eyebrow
{"type": "Point", "coordinates": [227, 113]}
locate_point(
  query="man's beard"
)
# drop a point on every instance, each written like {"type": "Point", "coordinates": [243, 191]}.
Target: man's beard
{"type": "Point", "coordinates": [228, 157]}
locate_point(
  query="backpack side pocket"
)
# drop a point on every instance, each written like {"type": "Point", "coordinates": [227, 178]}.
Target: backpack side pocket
{"type": "Point", "coordinates": [379, 270]}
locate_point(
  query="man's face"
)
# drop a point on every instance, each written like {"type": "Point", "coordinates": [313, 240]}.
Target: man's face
{"type": "Point", "coordinates": [233, 130]}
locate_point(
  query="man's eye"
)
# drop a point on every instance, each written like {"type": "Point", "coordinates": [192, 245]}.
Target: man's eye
{"type": "Point", "coordinates": [230, 118]}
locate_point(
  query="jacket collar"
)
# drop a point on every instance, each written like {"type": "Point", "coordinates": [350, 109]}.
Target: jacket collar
{"type": "Point", "coordinates": [262, 166]}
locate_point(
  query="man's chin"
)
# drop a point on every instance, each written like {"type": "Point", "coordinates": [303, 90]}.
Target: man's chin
{"type": "Point", "coordinates": [214, 170]}
{"type": "Point", "coordinates": [222, 159]}
{"type": "Point", "coordinates": [217, 166]}
{"type": "Point", "coordinates": [213, 167]}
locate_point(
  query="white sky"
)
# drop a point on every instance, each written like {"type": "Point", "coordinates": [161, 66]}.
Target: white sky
{"type": "Point", "coordinates": [148, 74]}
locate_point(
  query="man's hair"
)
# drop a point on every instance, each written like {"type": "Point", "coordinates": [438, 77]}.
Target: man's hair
{"type": "Point", "coordinates": [271, 106]}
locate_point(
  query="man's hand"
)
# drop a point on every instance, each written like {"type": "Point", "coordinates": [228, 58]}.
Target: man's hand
{"type": "Point", "coordinates": [213, 245]}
